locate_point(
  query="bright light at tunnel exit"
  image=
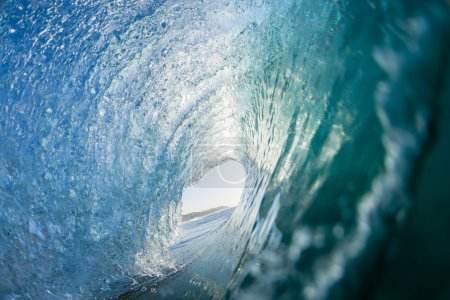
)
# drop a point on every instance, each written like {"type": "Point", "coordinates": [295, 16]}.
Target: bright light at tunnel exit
{"type": "Point", "coordinates": [221, 186]}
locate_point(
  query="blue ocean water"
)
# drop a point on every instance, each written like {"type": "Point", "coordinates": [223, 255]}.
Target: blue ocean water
{"type": "Point", "coordinates": [338, 109]}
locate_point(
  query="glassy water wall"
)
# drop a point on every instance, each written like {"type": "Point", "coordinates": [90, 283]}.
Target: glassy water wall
{"type": "Point", "coordinates": [112, 111]}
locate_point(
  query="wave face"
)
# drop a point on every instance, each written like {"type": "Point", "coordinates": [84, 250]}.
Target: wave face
{"type": "Point", "coordinates": [339, 111]}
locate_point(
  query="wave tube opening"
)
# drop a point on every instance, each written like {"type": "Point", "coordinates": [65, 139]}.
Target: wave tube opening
{"type": "Point", "coordinates": [221, 186]}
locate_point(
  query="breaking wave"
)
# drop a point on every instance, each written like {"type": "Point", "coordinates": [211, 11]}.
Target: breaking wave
{"type": "Point", "coordinates": [338, 110]}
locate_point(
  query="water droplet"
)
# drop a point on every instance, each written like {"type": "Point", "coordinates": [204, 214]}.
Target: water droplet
{"type": "Point", "coordinates": [338, 231]}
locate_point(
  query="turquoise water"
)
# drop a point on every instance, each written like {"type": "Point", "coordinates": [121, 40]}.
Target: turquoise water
{"type": "Point", "coordinates": [338, 110]}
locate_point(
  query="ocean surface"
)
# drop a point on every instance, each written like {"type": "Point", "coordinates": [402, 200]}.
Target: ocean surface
{"type": "Point", "coordinates": [187, 252]}
{"type": "Point", "coordinates": [339, 111]}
